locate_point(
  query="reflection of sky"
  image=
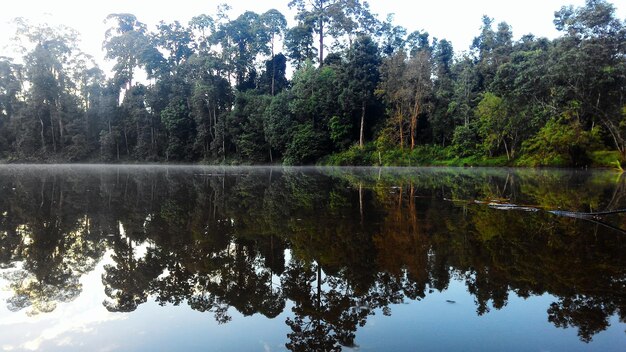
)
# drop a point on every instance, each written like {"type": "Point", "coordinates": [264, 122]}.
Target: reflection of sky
{"type": "Point", "coordinates": [432, 324]}
{"type": "Point", "coordinates": [65, 326]}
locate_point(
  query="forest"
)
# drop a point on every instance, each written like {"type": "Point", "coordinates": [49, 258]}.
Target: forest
{"type": "Point", "coordinates": [341, 87]}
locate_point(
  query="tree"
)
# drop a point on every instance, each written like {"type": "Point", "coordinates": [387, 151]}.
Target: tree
{"type": "Point", "coordinates": [246, 124]}
{"type": "Point", "coordinates": [10, 88]}
{"type": "Point", "coordinates": [55, 70]}
{"type": "Point", "coordinates": [176, 41]}
{"type": "Point", "coordinates": [392, 89]}
{"type": "Point", "coordinates": [589, 65]}
{"type": "Point", "coordinates": [361, 77]}
{"type": "Point", "coordinates": [275, 24]}
{"type": "Point", "coordinates": [180, 130]}
{"type": "Point", "coordinates": [242, 40]}
{"type": "Point", "coordinates": [442, 120]}
{"type": "Point", "coordinates": [278, 124]}
{"type": "Point", "coordinates": [205, 25]}
{"type": "Point", "coordinates": [211, 99]}
{"type": "Point", "coordinates": [299, 44]}
{"type": "Point", "coordinates": [560, 142]}
{"type": "Point", "coordinates": [492, 116]}
{"type": "Point", "coordinates": [126, 42]}
{"type": "Point", "coordinates": [391, 37]}
{"type": "Point", "coordinates": [336, 17]}
{"type": "Point", "coordinates": [273, 79]}
{"type": "Point", "coordinates": [418, 77]}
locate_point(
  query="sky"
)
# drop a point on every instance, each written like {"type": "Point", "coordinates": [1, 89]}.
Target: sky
{"type": "Point", "coordinates": [457, 21]}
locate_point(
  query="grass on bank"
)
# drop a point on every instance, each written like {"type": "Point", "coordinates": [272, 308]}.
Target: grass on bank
{"type": "Point", "coordinates": [432, 155]}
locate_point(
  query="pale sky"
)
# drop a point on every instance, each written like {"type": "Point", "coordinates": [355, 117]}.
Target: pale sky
{"type": "Point", "coordinates": [456, 21]}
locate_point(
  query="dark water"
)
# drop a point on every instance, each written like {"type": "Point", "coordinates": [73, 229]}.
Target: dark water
{"type": "Point", "coordinates": [272, 259]}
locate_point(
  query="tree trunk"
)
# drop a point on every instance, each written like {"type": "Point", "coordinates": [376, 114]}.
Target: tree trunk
{"type": "Point", "coordinates": [617, 139]}
{"type": "Point", "coordinates": [273, 66]}
{"type": "Point", "coordinates": [361, 137]}
{"type": "Point", "coordinates": [126, 141]}
{"type": "Point", "coordinates": [152, 139]}
{"type": "Point", "coordinates": [321, 24]}
{"type": "Point", "coordinates": [506, 148]}
{"type": "Point", "coordinates": [60, 125]}
{"type": "Point", "coordinates": [54, 141]}
{"type": "Point", "coordinates": [416, 110]}
{"type": "Point", "coordinates": [400, 123]}
{"type": "Point", "coordinates": [43, 138]}
{"type": "Point", "coordinates": [413, 129]}
{"type": "Point", "coordinates": [214, 122]}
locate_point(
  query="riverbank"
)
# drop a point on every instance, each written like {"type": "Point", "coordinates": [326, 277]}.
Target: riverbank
{"type": "Point", "coordinates": [426, 155]}
{"type": "Point", "coordinates": [429, 155]}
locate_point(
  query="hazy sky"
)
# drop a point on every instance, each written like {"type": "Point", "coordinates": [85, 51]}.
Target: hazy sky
{"type": "Point", "coordinates": [457, 21]}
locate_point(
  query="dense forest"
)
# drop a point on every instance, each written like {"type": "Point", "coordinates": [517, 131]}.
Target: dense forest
{"type": "Point", "coordinates": [342, 87]}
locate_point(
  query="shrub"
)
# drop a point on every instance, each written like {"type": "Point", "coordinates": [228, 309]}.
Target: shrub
{"type": "Point", "coordinates": [559, 143]}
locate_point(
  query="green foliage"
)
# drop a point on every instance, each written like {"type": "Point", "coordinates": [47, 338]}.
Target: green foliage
{"type": "Point", "coordinates": [218, 91]}
{"type": "Point", "coordinates": [492, 121]}
{"type": "Point", "coordinates": [248, 117]}
{"type": "Point", "coordinates": [307, 146]}
{"type": "Point", "coordinates": [278, 123]}
{"type": "Point", "coordinates": [465, 140]}
{"type": "Point", "coordinates": [354, 156]}
{"type": "Point", "coordinates": [340, 130]}
{"type": "Point", "coordinates": [423, 155]}
{"type": "Point", "coordinates": [179, 127]}
{"type": "Point", "coordinates": [560, 143]}
{"type": "Point", "coordinates": [606, 158]}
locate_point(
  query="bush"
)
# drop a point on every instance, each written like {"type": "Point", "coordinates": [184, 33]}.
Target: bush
{"type": "Point", "coordinates": [559, 143]}
{"type": "Point", "coordinates": [607, 158]}
{"type": "Point", "coordinates": [465, 140]}
{"type": "Point", "coordinates": [307, 146]}
{"type": "Point", "coordinates": [354, 156]}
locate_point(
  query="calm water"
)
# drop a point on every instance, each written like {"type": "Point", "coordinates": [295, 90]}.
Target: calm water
{"type": "Point", "coordinates": [272, 259]}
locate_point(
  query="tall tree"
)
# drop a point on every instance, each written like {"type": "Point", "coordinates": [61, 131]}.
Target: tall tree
{"type": "Point", "coordinates": [418, 77]}
{"type": "Point", "coordinates": [361, 77]}
{"type": "Point", "coordinates": [204, 26]}
{"type": "Point", "coordinates": [393, 90]}
{"type": "Point", "coordinates": [337, 17]}
{"type": "Point", "coordinates": [54, 68]}
{"type": "Point", "coordinates": [442, 119]}
{"type": "Point", "coordinates": [243, 39]}
{"type": "Point", "coordinates": [299, 44]}
{"type": "Point", "coordinates": [589, 66]}
{"type": "Point", "coordinates": [275, 25]}
{"type": "Point", "coordinates": [125, 42]}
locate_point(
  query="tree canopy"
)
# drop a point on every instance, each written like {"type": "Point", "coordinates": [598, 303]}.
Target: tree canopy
{"type": "Point", "coordinates": [222, 89]}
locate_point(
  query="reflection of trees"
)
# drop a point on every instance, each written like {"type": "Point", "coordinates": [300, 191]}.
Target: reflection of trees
{"type": "Point", "coordinates": [498, 252]}
{"type": "Point", "coordinates": [52, 245]}
{"type": "Point", "coordinates": [327, 309]}
{"type": "Point", "coordinates": [359, 241]}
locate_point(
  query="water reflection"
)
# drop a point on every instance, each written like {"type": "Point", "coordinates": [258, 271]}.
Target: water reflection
{"type": "Point", "coordinates": [338, 245]}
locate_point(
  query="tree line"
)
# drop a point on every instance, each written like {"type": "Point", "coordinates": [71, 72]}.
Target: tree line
{"type": "Point", "coordinates": [217, 90]}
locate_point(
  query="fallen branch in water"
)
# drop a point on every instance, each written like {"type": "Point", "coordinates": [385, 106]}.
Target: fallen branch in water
{"type": "Point", "coordinates": [595, 217]}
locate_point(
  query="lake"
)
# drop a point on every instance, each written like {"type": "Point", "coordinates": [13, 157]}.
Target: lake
{"type": "Point", "coordinates": [162, 258]}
